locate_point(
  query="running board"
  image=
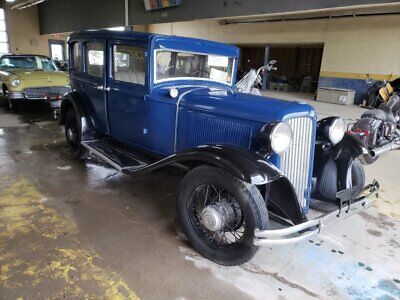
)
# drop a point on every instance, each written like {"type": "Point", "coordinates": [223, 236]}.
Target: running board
{"type": "Point", "coordinates": [117, 157]}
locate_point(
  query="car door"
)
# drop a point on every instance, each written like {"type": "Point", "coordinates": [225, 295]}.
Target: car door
{"type": "Point", "coordinates": [127, 89]}
{"type": "Point", "coordinates": [92, 82]}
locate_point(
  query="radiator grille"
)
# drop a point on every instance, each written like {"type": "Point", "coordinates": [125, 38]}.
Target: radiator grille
{"type": "Point", "coordinates": [296, 161]}
{"type": "Point", "coordinates": [42, 92]}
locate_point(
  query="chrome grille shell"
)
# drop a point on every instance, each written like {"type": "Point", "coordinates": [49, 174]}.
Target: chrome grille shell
{"type": "Point", "coordinates": [42, 92]}
{"type": "Point", "coordinates": [296, 162]}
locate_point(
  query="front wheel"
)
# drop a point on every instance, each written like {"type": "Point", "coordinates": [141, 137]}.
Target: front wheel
{"type": "Point", "coordinates": [219, 213]}
{"type": "Point", "coordinates": [73, 136]}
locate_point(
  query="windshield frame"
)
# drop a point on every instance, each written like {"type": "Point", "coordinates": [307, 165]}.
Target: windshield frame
{"type": "Point", "coordinates": [155, 81]}
{"type": "Point", "coordinates": [36, 57]}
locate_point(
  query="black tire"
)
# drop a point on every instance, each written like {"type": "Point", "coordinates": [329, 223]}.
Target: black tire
{"type": "Point", "coordinates": [358, 175]}
{"type": "Point", "coordinates": [367, 159]}
{"type": "Point", "coordinates": [14, 105]}
{"type": "Point", "coordinates": [73, 137]}
{"type": "Point", "coordinates": [252, 214]}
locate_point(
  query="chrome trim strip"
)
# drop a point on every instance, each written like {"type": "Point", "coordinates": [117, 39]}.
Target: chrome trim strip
{"type": "Point", "coordinates": [178, 103]}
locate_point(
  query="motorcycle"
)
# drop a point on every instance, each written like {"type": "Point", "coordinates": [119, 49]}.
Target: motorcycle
{"type": "Point", "coordinates": [251, 83]}
{"type": "Point", "coordinates": [379, 129]}
{"type": "Point", "coordinates": [380, 91]}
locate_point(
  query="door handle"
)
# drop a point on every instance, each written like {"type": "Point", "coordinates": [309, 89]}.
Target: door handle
{"type": "Point", "coordinates": [102, 88]}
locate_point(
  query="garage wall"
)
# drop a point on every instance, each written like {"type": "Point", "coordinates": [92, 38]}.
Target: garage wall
{"type": "Point", "coordinates": [353, 47]}
{"type": "Point", "coordinates": [23, 32]}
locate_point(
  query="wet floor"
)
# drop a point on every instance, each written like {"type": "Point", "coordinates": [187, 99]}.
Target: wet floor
{"type": "Point", "coordinates": [79, 230]}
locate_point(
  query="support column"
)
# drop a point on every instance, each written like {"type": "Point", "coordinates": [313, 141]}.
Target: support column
{"type": "Point", "coordinates": [265, 81]}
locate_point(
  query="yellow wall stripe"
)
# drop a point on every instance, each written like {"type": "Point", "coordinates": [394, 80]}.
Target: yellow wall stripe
{"type": "Point", "coordinates": [358, 75]}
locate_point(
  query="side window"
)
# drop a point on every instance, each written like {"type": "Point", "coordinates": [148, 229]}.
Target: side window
{"type": "Point", "coordinates": [95, 59]}
{"type": "Point", "coordinates": [76, 57]}
{"type": "Point", "coordinates": [129, 64]}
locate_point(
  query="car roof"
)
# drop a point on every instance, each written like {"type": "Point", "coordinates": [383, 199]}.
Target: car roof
{"type": "Point", "coordinates": [159, 40]}
{"type": "Point", "coordinates": [24, 55]}
{"type": "Point", "coordinates": [107, 34]}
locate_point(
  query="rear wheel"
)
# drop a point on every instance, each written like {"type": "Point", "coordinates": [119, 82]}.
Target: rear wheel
{"type": "Point", "coordinates": [73, 136]}
{"type": "Point", "coordinates": [219, 214]}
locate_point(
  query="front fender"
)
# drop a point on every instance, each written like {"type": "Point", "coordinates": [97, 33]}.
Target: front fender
{"type": "Point", "coordinates": [241, 163]}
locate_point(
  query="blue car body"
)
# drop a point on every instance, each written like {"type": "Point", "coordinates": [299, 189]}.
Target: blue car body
{"type": "Point", "coordinates": [207, 121]}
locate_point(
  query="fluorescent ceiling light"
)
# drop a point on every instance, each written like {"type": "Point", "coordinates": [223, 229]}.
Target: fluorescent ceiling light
{"type": "Point", "coordinates": [27, 4]}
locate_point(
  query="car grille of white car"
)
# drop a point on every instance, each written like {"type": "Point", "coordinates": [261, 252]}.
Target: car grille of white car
{"type": "Point", "coordinates": [296, 161]}
{"type": "Point", "coordinates": [43, 92]}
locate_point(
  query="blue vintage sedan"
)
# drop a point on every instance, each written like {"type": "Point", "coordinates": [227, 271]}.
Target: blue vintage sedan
{"type": "Point", "coordinates": [145, 101]}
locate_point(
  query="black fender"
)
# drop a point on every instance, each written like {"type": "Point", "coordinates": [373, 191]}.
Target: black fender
{"type": "Point", "coordinates": [282, 200]}
{"type": "Point", "coordinates": [242, 163]}
{"type": "Point", "coordinates": [246, 165]}
{"type": "Point", "coordinates": [75, 100]}
{"type": "Point", "coordinates": [332, 165]}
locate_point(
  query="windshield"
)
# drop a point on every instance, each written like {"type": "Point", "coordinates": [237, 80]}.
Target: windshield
{"type": "Point", "coordinates": [172, 65]}
{"type": "Point", "coordinates": [28, 62]}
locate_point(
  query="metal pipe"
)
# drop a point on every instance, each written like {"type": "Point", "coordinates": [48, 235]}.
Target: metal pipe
{"type": "Point", "coordinates": [388, 147]}
{"type": "Point", "coordinates": [126, 14]}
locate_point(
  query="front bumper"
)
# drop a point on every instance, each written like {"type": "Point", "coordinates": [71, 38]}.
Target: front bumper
{"type": "Point", "coordinates": [307, 229]}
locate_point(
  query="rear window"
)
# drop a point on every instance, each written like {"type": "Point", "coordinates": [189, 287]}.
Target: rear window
{"type": "Point", "coordinates": [95, 59]}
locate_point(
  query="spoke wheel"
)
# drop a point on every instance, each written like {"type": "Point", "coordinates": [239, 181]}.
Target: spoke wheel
{"type": "Point", "coordinates": [216, 215]}
{"type": "Point", "coordinates": [219, 214]}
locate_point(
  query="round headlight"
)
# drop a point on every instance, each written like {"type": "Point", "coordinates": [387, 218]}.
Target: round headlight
{"type": "Point", "coordinates": [281, 137]}
{"type": "Point", "coordinates": [337, 130]}
{"type": "Point", "coordinates": [15, 82]}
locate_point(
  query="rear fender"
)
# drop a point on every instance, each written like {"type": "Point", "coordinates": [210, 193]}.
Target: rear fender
{"type": "Point", "coordinates": [75, 101]}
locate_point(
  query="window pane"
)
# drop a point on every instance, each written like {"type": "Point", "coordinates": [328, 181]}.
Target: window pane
{"type": "Point", "coordinates": [77, 59]}
{"type": "Point", "coordinates": [183, 65]}
{"type": "Point", "coordinates": [3, 37]}
{"type": "Point", "coordinates": [129, 64]}
{"type": "Point", "coordinates": [95, 59]}
{"type": "Point", "coordinates": [4, 48]}
{"type": "Point", "coordinates": [57, 51]}
{"type": "Point", "coordinates": [2, 25]}
{"type": "Point", "coordinates": [2, 14]}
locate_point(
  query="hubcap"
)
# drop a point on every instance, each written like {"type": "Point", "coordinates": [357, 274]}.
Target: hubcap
{"type": "Point", "coordinates": [211, 218]}
{"type": "Point", "coordinates": [71, 135]}
{"type": "Point", "coordinates": [216, 217]}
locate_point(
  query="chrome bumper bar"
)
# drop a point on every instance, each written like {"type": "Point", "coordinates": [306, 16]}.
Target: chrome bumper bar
{"type": "Point", "coordinates": [307, 229]}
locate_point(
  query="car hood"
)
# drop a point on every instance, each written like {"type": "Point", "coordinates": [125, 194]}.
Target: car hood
{"type": "Point", "coordinates": [30, 74]}
{"type": "Point", "coordinates": [243, 106]}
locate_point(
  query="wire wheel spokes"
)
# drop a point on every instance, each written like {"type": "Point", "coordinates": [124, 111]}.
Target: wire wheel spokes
{"type": "Point", "coordinates": [226, 207]}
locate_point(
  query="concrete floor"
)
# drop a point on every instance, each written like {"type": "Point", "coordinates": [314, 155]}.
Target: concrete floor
{"type": "Point", "coordinates": [78, 230]}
